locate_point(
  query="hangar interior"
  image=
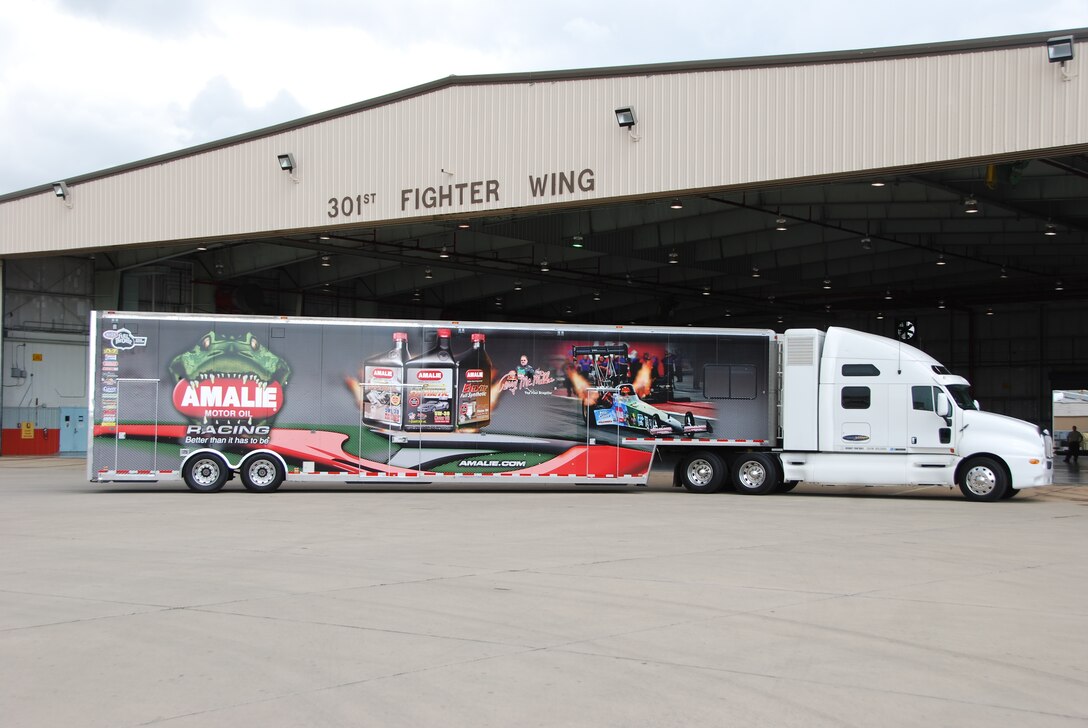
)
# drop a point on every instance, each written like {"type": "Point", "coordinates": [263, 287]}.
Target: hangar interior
{"type": "Point", "coordinates": [983, 260]}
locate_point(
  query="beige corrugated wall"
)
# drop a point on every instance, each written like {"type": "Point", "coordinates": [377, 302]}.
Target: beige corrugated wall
{"type": "Point", "coordinates": [696, 130]}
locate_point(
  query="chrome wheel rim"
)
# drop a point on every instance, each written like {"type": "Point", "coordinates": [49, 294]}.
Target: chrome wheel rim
{"type": "Point", "coordinates": [752, 474]}
{"type": "Point", "coordinates": [700, 473]}
{"type": "Point", "coordinates": [262, 473]}
{"type": "Point", "coordinates": [981, 480]}
{"type": "Point", "coordinates": [206, 472]}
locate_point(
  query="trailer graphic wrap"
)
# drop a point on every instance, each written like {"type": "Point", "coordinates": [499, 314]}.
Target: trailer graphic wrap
{"type": "Point", "coordinates": [230, 388]}
{"type": "Point", "coordinates": [370, 400]}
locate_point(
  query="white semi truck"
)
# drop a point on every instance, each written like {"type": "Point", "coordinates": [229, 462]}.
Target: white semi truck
{"type": "Point", "coordinates": [205, 398]}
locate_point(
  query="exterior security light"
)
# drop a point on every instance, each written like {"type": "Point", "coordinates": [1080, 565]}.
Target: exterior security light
{"type": "Point", "coordinates": [287, 162]}
{"type": "Point", "coordinates": [625, 116]}
{"type": "Point", "coordinates": [1058, 50]}
{"type": "Point", "coordinates": [60, 189]}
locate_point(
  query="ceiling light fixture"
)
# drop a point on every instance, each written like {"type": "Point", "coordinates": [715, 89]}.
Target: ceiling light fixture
{"type": "Point", "coordinates": [1004, 273]}
{"type": "Point", "coordinates": [866, 243]}
{"type": "Point", "coordinates": [941, 260]}
{"type": "Point", "coordinates": [827, 284]}
{"type": "Point", "coordinates": [444, 253]}
{"type": "Point", "coordinates": [1058, 286]}
{"type": "Point", "coordinates": [517, 285]}
{"type": "Point", "coordinates": [888, 294]}
{"type": "Point", "coordinates": [325, 262]}
{"type": "Point", "coordinates": [596, 295]}
{"type": "Point", "coordinates": [464, 225]}
{"type": "Point", "coordinates": [755, 271]}
{"type": "Point", "coordinates": [940, 303]}
{"type": "Point", "coordinates": [576, 241]}
{"type": "Point", "coordinates": [879, 315]}
{"type": "Point", "coordinates": [1050, 230]}
{"type": "Point", "coordinates": [989, 312]}
{"type": "Point", "coordinates": [877, 183]}
{"type": "Point", "coordinates": [970, 206]}
{"type": "Point", "coordinates": [674, 257]}
{"type": "Point", "coordinates": [706, 290]}
{"type": "Point", "coordinates": [544, 266]}
{"type": "Point", "coordinates": [676, 204]}
{"type": "Point", "coordinates": [427, 274]}
{"type": "Point", "coordinates": [780, 224]}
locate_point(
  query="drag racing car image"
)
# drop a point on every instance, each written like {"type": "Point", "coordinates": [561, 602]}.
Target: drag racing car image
{"type": "Point", "coordinates": [623, 407]}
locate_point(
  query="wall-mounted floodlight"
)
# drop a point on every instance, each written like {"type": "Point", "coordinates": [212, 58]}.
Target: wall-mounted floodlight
{"type": "Point", "coordinates": [625, 117]}
{"type": "Point", "coordinates": [287, 164]}
{"type": "Point", "coordinates": [60, 189]}
{"type": "Point", "coordinates": [1060, 50]}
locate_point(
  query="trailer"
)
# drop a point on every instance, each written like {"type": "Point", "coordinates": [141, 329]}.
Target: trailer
{"type": "Point", "coordinates": [207, 398]}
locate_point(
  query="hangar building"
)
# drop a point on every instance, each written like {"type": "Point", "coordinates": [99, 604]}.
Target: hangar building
{"type": "Point", "coordinates": [937, 192]}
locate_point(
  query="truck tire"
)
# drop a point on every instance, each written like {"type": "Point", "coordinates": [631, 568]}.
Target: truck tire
{"type": "Point", "coordinates": [1010, 492]}
{"type": "Point", "coordinates": [983, 479]}
{"type": "Point", "coordinates": [205, 473]}
{"type": "Point", "coordinates": [755, 474]}
{"type": "Point", "coordinates": [702, 472]}
{"type": "Point", "coordinates": [261, 473]}
{"type": "Point", "coordinates": [786, 486]}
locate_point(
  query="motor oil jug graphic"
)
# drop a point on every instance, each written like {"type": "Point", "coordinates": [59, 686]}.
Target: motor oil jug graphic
{"type": "Point", "coordinates": [474, 386]}
{"type": "Point", "coordinates": [430, 382]}
{"type": "Point", "coordinates": [383, 385]}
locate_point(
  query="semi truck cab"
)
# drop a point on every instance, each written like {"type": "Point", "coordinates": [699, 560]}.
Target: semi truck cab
{"type": "Point", "coordinates": [859, 408]}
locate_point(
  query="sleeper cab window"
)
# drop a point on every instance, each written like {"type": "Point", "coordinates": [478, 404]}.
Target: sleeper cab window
{"type": "Point", "coordinates": [856, 398]}
{"type": "Point", "coordinates": [860, 370]}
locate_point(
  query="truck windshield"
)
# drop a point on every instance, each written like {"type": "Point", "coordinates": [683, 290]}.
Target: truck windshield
{"type": "Point", "coordinates": [961, 393]}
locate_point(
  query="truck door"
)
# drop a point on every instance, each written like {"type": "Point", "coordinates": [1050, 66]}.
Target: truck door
{"type": "Point", "coordinates": [926, 430]}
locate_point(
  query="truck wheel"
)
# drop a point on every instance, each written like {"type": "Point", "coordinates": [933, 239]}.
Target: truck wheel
{"type": "Point", "coordinates": [262, 473]}
{"type": "Point", "coordinates": [983, 479]}
{"type": "Point", "coordinates": [205, 473]}
{"type": "Point", "coordinates": [786, 486]}
{"type": "Point", "coordinates": [1010, 492]}
{"type": "Point", "coordinates": [702, 472]}
{"type": "Point", "coordinates": [755, 474]}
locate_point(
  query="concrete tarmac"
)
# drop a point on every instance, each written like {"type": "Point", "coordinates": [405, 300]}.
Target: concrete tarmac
{"type": "Point", "coordinates": [148, 605]}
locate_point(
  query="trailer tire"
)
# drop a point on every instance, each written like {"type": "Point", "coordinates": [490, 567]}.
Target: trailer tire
{"type": "Point", "coordinates": [261, 473]}
{"type": "Point", "coordinates": [205, 473]}
{"type": "Point", "coordinates": [702, 472]}
{"type": "Point", "coordinates": [983, 479]}
{"type": "Point", "coordinates": [755, 474]}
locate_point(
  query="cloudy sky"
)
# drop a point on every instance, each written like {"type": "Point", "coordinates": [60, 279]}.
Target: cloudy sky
{"type": "Point", "coordinates": [90, 84]}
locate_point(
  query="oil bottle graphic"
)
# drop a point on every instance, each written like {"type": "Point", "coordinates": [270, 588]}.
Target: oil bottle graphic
{"type": "Point", "coordinates": [474, 386]}
{"type": "Point", "coordinates": [430, 382]}
{"type": "Point", "coordinates": [383, 390]}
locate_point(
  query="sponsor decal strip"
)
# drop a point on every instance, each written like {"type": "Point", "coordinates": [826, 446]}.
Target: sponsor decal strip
{"type": "Point", "coordinates": [690, 439]}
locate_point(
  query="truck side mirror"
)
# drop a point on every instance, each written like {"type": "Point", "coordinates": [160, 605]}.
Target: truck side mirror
{"type": "Point", "coordinates": [944, 408]}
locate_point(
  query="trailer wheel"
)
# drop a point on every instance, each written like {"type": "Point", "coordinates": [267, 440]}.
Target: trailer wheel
{"type": "Point", "coordinates": [755, 474]}
{"type": "Point", "coordinates": [205, 473]}
{"type": "Point", "coordinates": [983, 479]}
{"type": "Point", "coordinates": [702, 472]}
{"type": "Point", "coordinates": [262, 473]}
